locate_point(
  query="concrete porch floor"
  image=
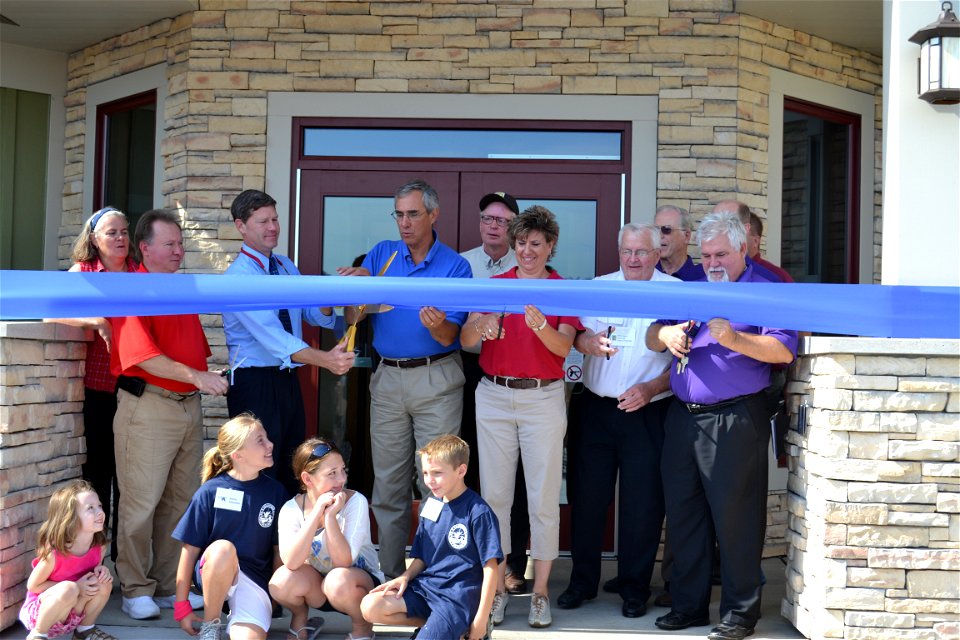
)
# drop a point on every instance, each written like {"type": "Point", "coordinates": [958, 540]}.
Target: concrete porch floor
{"type": "Point", "coordinates": [598, 618]}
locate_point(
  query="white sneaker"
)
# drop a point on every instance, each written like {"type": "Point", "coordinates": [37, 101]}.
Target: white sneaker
{"type": "Point", "coordinates": [210, 630]}
{"type": "Point", "coordinates": [539, 611]}
{"type": "Point", "coordinates": [499, 607]}
{"type": "Point", "coordinates": [166, 602]}
{"type": "Point", "coordinates": [140, 608]}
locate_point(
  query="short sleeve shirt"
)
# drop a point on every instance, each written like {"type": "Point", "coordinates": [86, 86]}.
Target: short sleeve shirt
{"type": "Point", "coordinates": [454, 549]}
{"type": "Point", "coordinates": [139, 338]}
{"type": "Point", "coordinates": [354, 521]}
{"type": "Point", "coordinates": [399, 333]}
{"type": "Point", "coordinates": [244, 513]}
{"type": "Point", "coordinates": [521, 354]}
{"type": "Point", "coordinates": [714, 373]}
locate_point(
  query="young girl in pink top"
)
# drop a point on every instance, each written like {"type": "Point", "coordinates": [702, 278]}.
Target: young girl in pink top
{"type": "Point", "coordinates": [69, 586]}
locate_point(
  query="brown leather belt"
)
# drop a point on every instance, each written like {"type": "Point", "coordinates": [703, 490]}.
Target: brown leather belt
{"type": "Point", "coordinates": [410, 363]}
{"type": "Point", "coordinates": [172, 395]}
{"type": "Point", "coordinates": [520, 383]}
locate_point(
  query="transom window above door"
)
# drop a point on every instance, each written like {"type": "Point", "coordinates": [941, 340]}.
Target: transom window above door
{"type": "Point", "coordinates": [512, 144]}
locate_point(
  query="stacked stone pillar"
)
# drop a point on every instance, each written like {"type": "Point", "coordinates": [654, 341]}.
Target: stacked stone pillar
{"type": "Point", "coordinates": [41, 440]}
{"type": "Point", "coordinates": [874, 490]}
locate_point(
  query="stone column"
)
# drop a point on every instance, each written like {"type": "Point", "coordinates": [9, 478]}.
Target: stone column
{"type": "Point", "coordinates": [41, 440]}
{"type": "Point", "coordinates": [874, 490]}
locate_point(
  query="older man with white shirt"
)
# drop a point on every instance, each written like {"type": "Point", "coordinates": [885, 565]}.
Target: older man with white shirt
{"type": "Point", "coordinates": [620, 413]}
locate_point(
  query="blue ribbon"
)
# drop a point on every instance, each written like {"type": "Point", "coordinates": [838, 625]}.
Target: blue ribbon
{"type": "Point", "coordinates": [861, 310]}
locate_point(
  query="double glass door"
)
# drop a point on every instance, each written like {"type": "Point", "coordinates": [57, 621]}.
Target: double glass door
{"type": "Point", "coordinates": [344, 213]}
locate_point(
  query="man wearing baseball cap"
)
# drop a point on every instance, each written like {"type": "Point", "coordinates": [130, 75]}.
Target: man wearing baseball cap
{"type": "Point", "coordinates": [493, 257]}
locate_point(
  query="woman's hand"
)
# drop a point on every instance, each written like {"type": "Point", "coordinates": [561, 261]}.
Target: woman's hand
{"type": "Point", "coordinates": [534, 318]}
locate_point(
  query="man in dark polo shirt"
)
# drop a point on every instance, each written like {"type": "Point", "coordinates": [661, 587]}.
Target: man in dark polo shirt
{"type": "Point", "coordinates": [161, 364]}
{"type": "Point", "coordinates": [416, 394]}
{"type": "Point", "coordinates": [675, 229]}
{"type": "Point", "coordinates": [714, 460]}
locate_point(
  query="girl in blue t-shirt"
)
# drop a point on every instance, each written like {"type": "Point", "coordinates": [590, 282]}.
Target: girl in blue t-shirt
{"type": "Point", "coordinates": [230, 528]}
{"type": "Point", "coordinates": [329, 562]}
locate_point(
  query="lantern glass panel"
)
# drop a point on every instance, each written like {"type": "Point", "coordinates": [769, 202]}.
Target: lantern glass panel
{"type": "Point", "coordinates": [934, 63]}
{"type": "Point", "coordinates": [951, 62]}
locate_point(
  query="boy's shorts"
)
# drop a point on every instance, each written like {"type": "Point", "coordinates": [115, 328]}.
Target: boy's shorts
{"type": "Point", "coordinates": [249, 604]}
{"type": "Point", "coordinates": [444, 621]}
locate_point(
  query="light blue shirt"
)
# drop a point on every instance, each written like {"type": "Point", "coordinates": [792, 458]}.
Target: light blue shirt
{"type": "Point", "coordinates": [259, 336]}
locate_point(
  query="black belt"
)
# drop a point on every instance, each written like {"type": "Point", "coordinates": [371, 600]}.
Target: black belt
{"type": "Point", "coordinates": [411, 363]}
{"type": "Point", "coordinates": [693, 407]}
{"type": "Point", "coordinates": [267, 369]}
{"type": "Point", "coordinates": [520, 383]}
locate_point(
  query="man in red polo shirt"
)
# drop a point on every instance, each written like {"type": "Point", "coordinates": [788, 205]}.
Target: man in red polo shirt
{"type": "Point", "coordinates": [161, 364]}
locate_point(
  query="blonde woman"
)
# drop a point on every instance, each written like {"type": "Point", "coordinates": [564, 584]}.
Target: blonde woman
{"type": "Point", "coordinates": [102, 246]}
{"type": "Point", "coordinates": [229, 535]}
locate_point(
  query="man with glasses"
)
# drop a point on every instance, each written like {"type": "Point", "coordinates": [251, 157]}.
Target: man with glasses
{"type": "Point", "coordinates": [716, 443]}
{"type": "Point", "coordinates": [493, 257]}
{"type": "Point", "coordinates": [416, 394]}
{"type": "Point", "coordinates": [621, 414]}
{"type": "Point", "coordinates": [675, 229]}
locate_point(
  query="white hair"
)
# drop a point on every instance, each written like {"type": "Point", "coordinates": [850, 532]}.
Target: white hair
{"type": "Point", "coordinates": [721, 223]}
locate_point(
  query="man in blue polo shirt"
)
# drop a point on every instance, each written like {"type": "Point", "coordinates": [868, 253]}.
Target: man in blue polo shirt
{"type": "Point", "coordinates": [416, 392]}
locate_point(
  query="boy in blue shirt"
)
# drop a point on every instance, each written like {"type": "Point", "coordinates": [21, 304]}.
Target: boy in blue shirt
{"type": "Point", "coordinates": [449, 587]}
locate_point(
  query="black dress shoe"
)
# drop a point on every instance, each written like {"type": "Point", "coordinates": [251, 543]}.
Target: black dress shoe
{"type": "Point", "coordinates": [633, 608]}
{"type": "Point", "coordinates": [612, 585]}
{"type": "Point", "coordinates": [729, 631]}
{"type": "Point", "coordinates": [675, 621]}
{"type": "Point", "coordinates": [571, 599]}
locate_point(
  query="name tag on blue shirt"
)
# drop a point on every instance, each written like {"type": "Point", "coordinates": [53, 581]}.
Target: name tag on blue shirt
{"type": "Point", "coordinates": [431, 510]}
{"type": "Point", "coordinates": [230, 499]}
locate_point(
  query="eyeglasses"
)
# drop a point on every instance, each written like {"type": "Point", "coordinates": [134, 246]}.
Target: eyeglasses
{"type": "Point", "coordinates": [320, 450]}
{"type": "Point", "coordinates": [409, 215]}
{"type": "Point", "coordinates": [640, 253]}
{"type": "Point", "coordinates": [667, 229]}
{"type": "Point", "coordinates": [500, 222]}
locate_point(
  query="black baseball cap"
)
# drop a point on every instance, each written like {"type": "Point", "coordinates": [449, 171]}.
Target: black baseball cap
{"type": "Point", "coordinates": [500, 196]}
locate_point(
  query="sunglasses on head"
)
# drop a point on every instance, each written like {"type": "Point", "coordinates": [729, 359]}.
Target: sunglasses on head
{"type": "Point", "coordinates": [320, 450]}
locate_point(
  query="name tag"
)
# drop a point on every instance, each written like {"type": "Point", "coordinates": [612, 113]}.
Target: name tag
{"type": "Point", "coordinates": [624, 336]}
{"type": "Point", "coordinates": [229, 499]}
{"type": "Point", "coordinates": [431, 511]}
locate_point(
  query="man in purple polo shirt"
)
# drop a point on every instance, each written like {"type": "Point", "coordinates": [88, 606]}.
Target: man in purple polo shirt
{"type": "Point", "coordinates": [714, 461]}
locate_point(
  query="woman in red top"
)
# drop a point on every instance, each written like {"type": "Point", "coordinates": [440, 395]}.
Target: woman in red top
{"type": "Point", "coordinates": [521, 409]}
{"type": "Point", "coordinates": [103, 245]}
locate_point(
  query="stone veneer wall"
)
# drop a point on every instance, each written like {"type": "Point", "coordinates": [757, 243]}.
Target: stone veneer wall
{"type": "Point", "coordinates": [41, 443]}
{"type": "Point", "coordinates": [708, 66]}
{"type": "Point", "coordinates": [874, 490]}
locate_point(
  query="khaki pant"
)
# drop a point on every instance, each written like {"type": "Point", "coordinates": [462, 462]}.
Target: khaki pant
{"type": "Point", "coordinates": [158, 444]}
{"type": "Point", "coordinates": [408, 409]}
{"type": "Point", "coordinates": [529, 424]}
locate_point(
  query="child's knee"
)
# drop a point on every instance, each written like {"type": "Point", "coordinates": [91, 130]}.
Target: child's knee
{"type": "Point", "coordinates": [219, 552]}
{"type": "Point", "coordinates": [63, 592]}
{"type": "Point", "coordinates": [371, 606]}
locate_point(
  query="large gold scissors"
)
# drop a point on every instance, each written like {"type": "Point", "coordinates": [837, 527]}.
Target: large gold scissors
{"type": "Point", "coordinates": [350, 335]}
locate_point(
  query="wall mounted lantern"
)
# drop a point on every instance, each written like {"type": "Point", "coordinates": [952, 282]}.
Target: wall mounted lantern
{"type": "Point", "coordinates": [939, 81]}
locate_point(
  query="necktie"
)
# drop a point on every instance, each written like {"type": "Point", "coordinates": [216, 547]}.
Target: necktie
{"type": "Point", "coordinates": [284, 314]}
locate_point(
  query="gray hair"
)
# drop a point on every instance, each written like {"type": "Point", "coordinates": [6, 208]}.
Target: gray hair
{"type": "Point", "coordinates": [638, 229]}
{"type": "Point", "coordinates": [431, 201]}
{"type": "Point", "coordinates": [685, 222]}
{"type": "Point", "coordinates": [721, 223]}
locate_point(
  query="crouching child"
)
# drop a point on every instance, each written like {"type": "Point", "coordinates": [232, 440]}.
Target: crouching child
{"type": "Point", "coordinates": [448, 589]}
